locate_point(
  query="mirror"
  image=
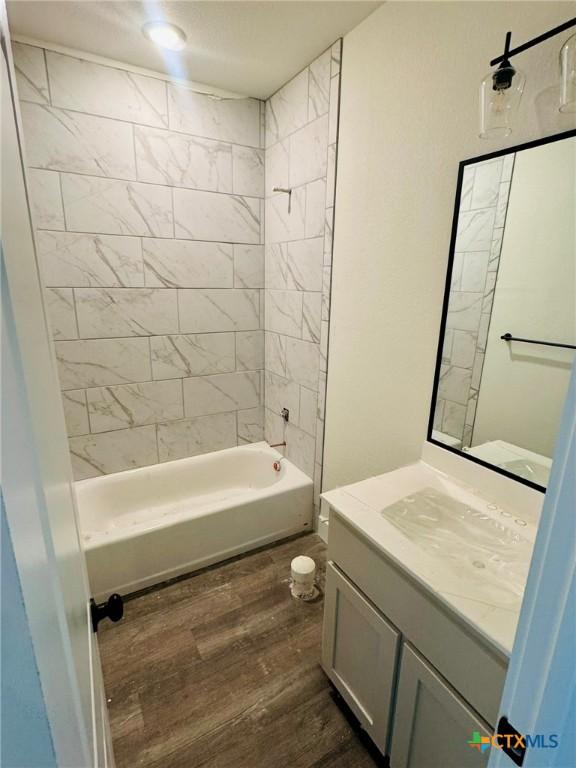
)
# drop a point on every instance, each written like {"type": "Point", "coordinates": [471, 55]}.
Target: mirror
{"type": "Point", "coordinates": [508, 334]}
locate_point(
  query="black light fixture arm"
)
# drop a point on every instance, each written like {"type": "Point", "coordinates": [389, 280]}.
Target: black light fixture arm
{"type": "Point", "coordinates": [531, 43]}
{"type": "Point", "coordinates": [506, 55]}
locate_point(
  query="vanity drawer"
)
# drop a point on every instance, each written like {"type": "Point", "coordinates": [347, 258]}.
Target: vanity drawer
{"type": "Point", "coordinates": [476, 669]}
{"type": "Point", "coordinates": [359, 654]}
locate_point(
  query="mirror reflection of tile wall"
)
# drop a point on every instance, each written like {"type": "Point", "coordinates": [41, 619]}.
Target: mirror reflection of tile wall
{"type": "Point", "coordinates": [483, 206]}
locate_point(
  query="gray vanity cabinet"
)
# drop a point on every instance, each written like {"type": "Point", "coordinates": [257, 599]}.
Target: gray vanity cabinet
{"type": "Point", "coordinates": [359, 654]}
{"type": "Point", "coordinates": [417, 677]}
{"type": "Point", "coordinates": [432, 724]}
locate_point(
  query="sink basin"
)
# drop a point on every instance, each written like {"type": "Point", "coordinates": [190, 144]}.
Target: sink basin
{"type": "Point", "coordinates": [529, 470]}
{"type": "Point", "coordinates": [475, 545]}
{"type": "Point", "coordinates": [521, 462]}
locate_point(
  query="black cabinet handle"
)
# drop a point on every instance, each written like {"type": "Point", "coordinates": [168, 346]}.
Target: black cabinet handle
{"type": "Point", "coordinates": [112, 609]}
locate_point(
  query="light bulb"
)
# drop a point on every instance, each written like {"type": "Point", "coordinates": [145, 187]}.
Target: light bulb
{"type": "Point", "coordinates": [165, 35]}
{"type": "Point", "coordinates": [500, 94]}
{"type": "Point", "coordinates": [499, 102]}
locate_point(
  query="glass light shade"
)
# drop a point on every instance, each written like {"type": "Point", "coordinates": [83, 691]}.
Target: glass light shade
{"type": "Point", "coordinates": [568, 75]}
{"type": "Point", "coordinates": [500, 94]}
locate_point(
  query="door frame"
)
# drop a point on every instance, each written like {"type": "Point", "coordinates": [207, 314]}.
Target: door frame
{"type": "Point", "coordinates": [37, 481]}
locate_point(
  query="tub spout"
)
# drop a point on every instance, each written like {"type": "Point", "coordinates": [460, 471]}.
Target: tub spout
{"type": "Point", "coordinates": [278, 463]}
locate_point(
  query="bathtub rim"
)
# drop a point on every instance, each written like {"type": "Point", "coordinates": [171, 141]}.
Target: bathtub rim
{"type": "Point", "coordinates": [291, 478]}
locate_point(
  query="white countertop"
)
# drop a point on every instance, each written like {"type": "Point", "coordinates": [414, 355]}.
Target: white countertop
{"type": "Point", "coordinates": [468, 584]}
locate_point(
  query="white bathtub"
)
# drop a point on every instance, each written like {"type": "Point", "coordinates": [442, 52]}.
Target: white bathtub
{"type": "Point", "coordinates": [147, 525]}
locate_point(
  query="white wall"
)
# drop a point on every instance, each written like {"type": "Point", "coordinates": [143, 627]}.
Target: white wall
{"type": "Point", "coordinates": [409, 114]}
{"type": "Point", "coordinates": [523, 387]}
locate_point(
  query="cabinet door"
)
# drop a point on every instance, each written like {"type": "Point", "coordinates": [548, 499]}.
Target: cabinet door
{"type": "Point", "coordinates": [359, 652]}
{"type": "Point", "coordinates": [432, 724]}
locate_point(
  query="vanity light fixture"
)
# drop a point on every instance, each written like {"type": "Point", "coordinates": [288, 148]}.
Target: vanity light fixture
{"type": "Point", "coordinates": [501, 89]}
{"type": "Point", "coordinates": [165, 35]}
{"type": "Point", "coordinates": [500, 94]}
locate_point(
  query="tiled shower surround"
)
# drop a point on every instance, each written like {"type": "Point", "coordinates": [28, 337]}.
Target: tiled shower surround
{"type": "Point", "coordinates": [483, 207]}
{"type": "Point", "coordinates": [301, 135]}
{"type": "Point", "coordinates": [148, 207]}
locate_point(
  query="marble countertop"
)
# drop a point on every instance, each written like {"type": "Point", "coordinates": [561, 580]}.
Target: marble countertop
{"type": "Point", "coordinates": [472, 554]}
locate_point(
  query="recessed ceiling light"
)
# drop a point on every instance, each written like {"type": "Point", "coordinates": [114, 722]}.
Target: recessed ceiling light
{"type": "Point", "coordinates": [165, 35]}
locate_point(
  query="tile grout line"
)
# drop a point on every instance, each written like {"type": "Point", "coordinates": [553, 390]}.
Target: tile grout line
{"type": "Point", "coordinates": [150, 126]}
{"type": "Point", "coordinates": [179, 239]}
{"type": "Point", "coordinates": [180, 188]}
{"type": "Point", "coordinates": [48, 85]}
{"type": "Point", "coordinates": [153, 184]}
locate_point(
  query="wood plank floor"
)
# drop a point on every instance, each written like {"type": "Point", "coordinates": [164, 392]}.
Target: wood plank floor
{"type": "Point", "coordinates": [221, 670]}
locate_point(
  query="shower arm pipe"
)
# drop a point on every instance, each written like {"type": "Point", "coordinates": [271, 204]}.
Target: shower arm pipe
{"type": "Point", "coordinates": [286, 191]}
{"type": "Point", "coordinates": [531, 43]}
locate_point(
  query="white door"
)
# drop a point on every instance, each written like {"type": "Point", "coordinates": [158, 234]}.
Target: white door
{"type": "Point", "coordinates": [36, 475]}
{"type": "Point", "coordinates": [539, 698]}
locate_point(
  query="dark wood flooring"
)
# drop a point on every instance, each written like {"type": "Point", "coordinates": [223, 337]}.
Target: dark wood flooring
{"type": "Point", "coordinates": [221, 670]}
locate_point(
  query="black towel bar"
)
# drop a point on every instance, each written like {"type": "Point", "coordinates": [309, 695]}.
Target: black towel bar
{"type": "Point", "coordinates": [509, 337]}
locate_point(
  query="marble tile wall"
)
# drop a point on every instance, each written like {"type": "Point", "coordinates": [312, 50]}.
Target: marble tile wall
{"type": "Point", "coordinates": [301, 136]}
{"type": "Point", "coordinates": [483, 206]}
{"type": "Point", "coordinates": [148, 207]}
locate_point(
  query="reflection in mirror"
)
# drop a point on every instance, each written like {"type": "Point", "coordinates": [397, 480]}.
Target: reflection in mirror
{"type": "Point", "coordinates": [513, 273]}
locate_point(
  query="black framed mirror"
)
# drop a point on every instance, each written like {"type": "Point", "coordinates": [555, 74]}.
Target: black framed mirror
{"type": "Point", "coordinates": [508, 332]}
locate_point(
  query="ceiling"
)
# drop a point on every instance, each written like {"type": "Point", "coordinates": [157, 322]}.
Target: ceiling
{"type": "Point", "coordinates": [250, 48]}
